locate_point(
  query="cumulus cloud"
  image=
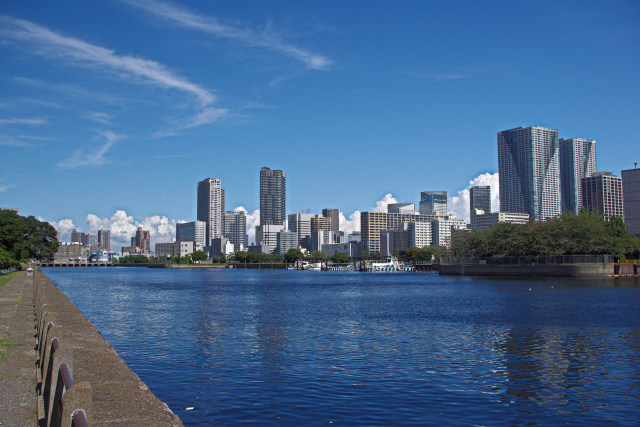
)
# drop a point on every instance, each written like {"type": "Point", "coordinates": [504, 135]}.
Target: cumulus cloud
{"type": "Point", "coordinates": [350, 225]}
{"type": "Point", "coordinates": [459, 205]}
{"type": "Point", "coordinates": [381, 205]}
{"type": "Point", "coordinates": [64, 227]}
{"type": "Point", "coordinates": [122, 226]}
{"type": "Point", "coordinates": [253, 219]}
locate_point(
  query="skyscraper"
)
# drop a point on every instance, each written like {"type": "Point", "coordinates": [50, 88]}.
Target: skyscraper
{"type": "Point", "coordinates": [371, 224]}
{"type": "Point", "coordinates": [577, 161]}
{"type": "Point", "coordinates": [142, 240]}
{"type": "Point", "coordinates": [211, 208]}
{"type": "Point", "coordinates": [631, 191]}
{"type": "Point", "coordinates": [480, 198]}
{"type": "Point", "coordinates": [602, 192]}
{"type": "Point", "coordinates": [334, 214]}
{"type": "Point", "coordinates": [235, 229]}
{"type": "Point", "coordinates": [529, 174]}
{"type": "Point", "coordinates": [104, 240]}
{"type": "Point", "coordinates": [273, 193]}
{"type": "Point", "coordinates": [479, 201]}
{"type": "Point", "coordinates": [433, 203]}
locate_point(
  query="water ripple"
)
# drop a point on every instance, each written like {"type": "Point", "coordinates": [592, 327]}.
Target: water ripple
{"type": "Point", "coordinates": [349, 348]}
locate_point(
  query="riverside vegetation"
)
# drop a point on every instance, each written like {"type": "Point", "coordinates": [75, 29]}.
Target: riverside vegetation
{"type": "Point", "coordinates": [570, 234]}
{"type": "Point", "coordinates": [24, 238]}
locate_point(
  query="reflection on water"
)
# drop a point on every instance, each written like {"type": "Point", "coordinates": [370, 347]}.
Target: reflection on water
{"type": "Point", "coordinates": [354, 348]}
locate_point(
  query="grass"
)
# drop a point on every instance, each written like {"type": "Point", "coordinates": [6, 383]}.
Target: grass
{"type": "Point", "coordinates": [5, 279]}
{"type": "Point", "coordinates": [6, 345]}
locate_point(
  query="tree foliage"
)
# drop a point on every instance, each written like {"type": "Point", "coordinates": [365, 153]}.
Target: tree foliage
{"type": "Point", "coordinates": [340, 258]}
{"type": "Point", "coordinates": [134, 259]}
{"type": "Point", "coordinates": [569, 234]}
{"type": "Point", "coordinates": [256, 257]}
{"type": "Point", "coordinates": [198, 256]}
{"type": "Point", "coordinates": [293, 255]}
{"type": "Point", "coordinates": [26, 238]}
{"type": "Point", "coordinates": [7, 260]}
{"type": "Point", "coordinates": [428, 253]}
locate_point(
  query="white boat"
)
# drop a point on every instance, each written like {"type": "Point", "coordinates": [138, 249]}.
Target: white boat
{"type": "Point", "coordinates": [392, 264]}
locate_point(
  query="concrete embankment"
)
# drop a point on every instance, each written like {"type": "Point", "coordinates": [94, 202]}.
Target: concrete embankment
{"type": "Point", "coordinates": [79, 374]}
{"type": "Point", "coordinates": [567, 270]}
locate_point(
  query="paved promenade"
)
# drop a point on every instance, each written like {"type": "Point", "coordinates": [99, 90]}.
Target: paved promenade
{"type": "Point", "coordinates": [18, 399]}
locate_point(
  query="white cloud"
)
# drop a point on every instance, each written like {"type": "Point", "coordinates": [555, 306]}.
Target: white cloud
{"type": "Point", "coordinates": [23, 121]}
{"type": "Point", "coordinates": [50, 44]}
{"type": "Point", "coordinates": [350, 225]}
{"type": "Point", "coordinates": [94, 158]}
{"type": "Point", "coordinates": [265, 39]}
{"type": "Point", "coordinates": [64, 227]}
{"type": "Point", "coordinates": [6, 141]}
{"type": "Point", "coordinates": [99, 116]}
{"type": "Point", "coordinates": [442, 77]}
{"type": "Point", "coordinates": [459, 205]}
{"type": "Point", "coordinates": [381, 205]}
{"type": "Point", "coordinates": [123, 227]}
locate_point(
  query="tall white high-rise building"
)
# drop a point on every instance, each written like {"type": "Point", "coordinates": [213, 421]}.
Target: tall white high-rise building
{"type": "Point", "coordinates": [273, 192]}
{"type": "Point", "coordinates": [577, 161]}
{"type": "Point", "coordinates": [528, 160]}
{"type": "Point", "coordinates": [211, 208]}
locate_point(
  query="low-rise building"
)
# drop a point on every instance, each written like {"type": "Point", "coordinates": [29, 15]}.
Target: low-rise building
{"type": "Point", "coordinates": [485, 220]}
{"type": "Point", "coordinates": [287, 240]}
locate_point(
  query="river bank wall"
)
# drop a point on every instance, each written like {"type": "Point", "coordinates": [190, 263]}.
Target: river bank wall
{"type": "Point", "coordinates": [81, 380]}
{"type": "Point", "coordinates": [565, 270]}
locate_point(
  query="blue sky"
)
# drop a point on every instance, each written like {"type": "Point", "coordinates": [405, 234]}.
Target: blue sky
{"type": "Point", "coordinates": [111, 111]}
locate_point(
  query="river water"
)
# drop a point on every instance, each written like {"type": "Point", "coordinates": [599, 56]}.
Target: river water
{"type": "Point", "coordinates": [348, 348]}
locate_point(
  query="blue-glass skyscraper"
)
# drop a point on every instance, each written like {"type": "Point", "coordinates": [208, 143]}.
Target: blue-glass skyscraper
{"type": "Point", "coordinates": [529, 171]}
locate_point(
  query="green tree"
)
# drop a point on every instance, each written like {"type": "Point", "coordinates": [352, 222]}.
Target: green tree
{"type": "Point", "coordinates": [318, 256]}
{"type": "Point", "coordinates": [569, 234]}
{"type": "Point", "coordinates": [6, 260]}
{"type": "Point", "coordinates": [26, 237]}
{"type": "Point", "coordinates": [340, 258]}
{"type": "Point", "coordinates": [293, 255]}
{"type": "Point", "coordinates": [198, 256]}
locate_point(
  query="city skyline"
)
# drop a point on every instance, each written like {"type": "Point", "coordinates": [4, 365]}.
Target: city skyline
{"type": "Point", "coordinates": [105, 128]}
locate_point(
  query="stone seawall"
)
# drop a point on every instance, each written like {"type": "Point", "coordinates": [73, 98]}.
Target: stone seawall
{"type": "Point", "coordinates": [567, 270]}
{"type": "Point", "coordinates": [80, 377]}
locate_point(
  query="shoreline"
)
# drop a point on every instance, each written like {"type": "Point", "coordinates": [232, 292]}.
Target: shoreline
{"type": "Point", "coordinates": [100, 384]}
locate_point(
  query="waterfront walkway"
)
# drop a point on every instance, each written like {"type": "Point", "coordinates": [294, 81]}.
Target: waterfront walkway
{"type": "Point", "coordinates": [18, 399]}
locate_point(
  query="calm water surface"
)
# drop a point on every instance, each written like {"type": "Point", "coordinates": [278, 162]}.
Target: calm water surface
{"type": "Point", "coordinates": [371, 349]}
